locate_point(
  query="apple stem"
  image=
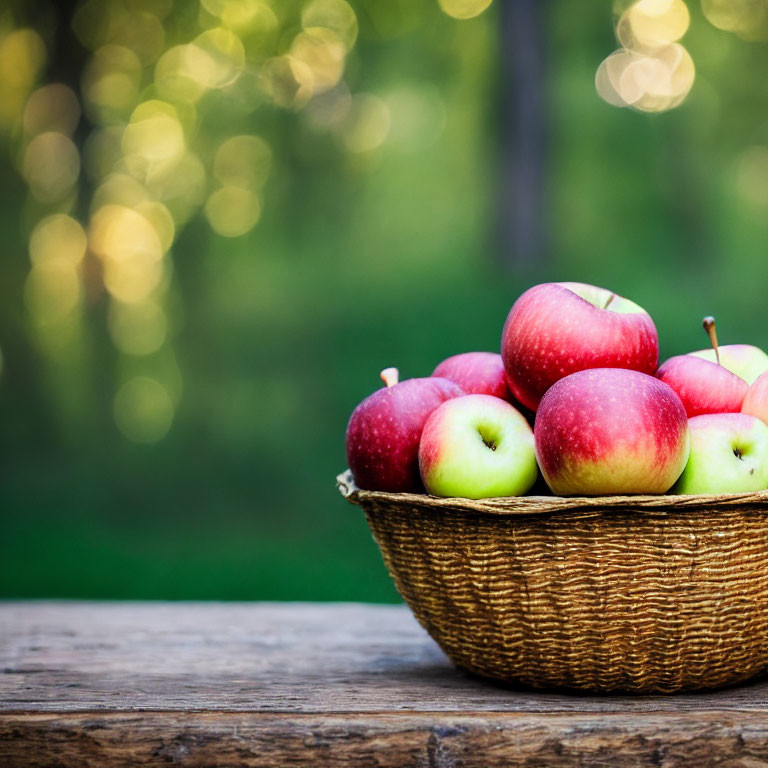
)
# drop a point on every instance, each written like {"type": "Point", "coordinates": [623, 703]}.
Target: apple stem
{"type": "Point", "coordinates": [390, 376]}
{"type": "Point", "coordinates": [610, 299]}
{"type": "Point", "coordinates": [709, 326]}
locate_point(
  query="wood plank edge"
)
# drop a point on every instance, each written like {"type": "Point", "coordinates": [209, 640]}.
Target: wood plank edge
{"type": "Point", "coordinates": [722, 738]}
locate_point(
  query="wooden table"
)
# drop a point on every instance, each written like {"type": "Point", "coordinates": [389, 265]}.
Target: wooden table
{"type": "Point", "coordinates": [135, 684]}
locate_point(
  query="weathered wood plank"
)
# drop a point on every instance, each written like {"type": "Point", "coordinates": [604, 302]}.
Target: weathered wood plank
{"type": "Point", "coordinates": [257, 685]}
{"type": "Point", "coordinates": [437, 740]}
{"type": "Point", "coordinates": [69, 657]}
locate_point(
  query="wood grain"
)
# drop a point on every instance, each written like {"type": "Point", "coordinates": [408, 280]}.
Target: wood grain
{"type": "Point", "coordinates": [90, 684]}
{"type": "Point", "coordinates": [730, 740]}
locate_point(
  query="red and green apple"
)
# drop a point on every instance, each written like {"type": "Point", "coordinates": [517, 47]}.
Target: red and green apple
{"type": "Point", "coordinates": [477, 446]}
{"type": "Point", "coordinates": [704, 387]}
{"type": "Point", "coordinates": [744, 360]}
{"type": "Point", "coordinates": [383, 433]}
{"type": "Point", "coordinates": [611, 431]}
{"type": "Point", "coordinates": [729, 454]}
{"type": "Point", "coordinates": [555, 329]}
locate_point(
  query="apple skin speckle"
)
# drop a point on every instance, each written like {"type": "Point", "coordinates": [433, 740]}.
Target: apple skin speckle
{"type": "Point", "coordinates": [384, 430]}
{"type": "Point", "coordinates": [552, 332]}
{"type": "Point", "coordinates": [704, 387]}
{"type": "Point", "coordinates": [611, 431]}
{"type": "Point", "coordinates": [477, 373]}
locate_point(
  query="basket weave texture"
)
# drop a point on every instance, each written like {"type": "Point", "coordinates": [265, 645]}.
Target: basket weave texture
{"type": "Point", "coordinates": [627, 593]}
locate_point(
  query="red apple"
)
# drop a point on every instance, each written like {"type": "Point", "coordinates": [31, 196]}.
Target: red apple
{"type": "Point", "coordinates": [384, 431]}
{"type": "Point", "coordinates": [611, 431]}
{"type": "Point", "coordinates": [743, 360]}
{"type": "Point", "coordinates": [756, 400]}
{"type": "Point", "coordinates": [477, 373]}
{"type": "Point", "coordinates": [703, 387]}
{"type": "Point", "coordinates": [556, 329]}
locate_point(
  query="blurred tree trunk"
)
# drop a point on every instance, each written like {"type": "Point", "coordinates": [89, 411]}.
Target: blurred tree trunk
{"type": "Point", "coordinates": [521, 234]}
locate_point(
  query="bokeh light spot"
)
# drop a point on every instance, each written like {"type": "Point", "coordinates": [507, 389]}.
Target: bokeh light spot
{"type": "Point", "coordinates": [651, 73]}
{"type": "Point", "coordinates": [180, 73]}
{"type": "Point", "coordinates": [143, 33]}
{"type": "Point", "coordinates": [288, 81]}
{"type": "Point", "coordinates": [131, 252]}
{"type": "Point", "coordinates": [143, 410]}
{"type": "Point", "coordinates": [120, 189]}
{"type": "Point", "coordinates": [139, 328]}
{"type": "Point", "coordinates": [650, 83]}
{"type": "Point", "coordinates": [22, 54]}
{"type": "Point", "coordinates": [232, 211]}
{"type": "Point", "coordinates": [642, 77]}
{"type": "Point", "coordinates": [608, 76]}
{"type": "Point", "coordinates": [223, 57]}
{"type": "Point", "coordinates": [244, 15]}
{"type": "Point", "coordinates": [328, 109]}
{"type": "Point", "coordinates": [110, 83]}
{"type": "Point", "coordinates": [242, 161]}
{"type": "Point", "coordinates": [51, 166]}
{"type": "Point", "coordinates": [53, 107]}
{"type": "Point", "coordinates": [160, 218]}
{"type": "Point", "coordinates": [336, 15]}
{"type": "Point", "coordinates": [746, 18]}
{"type": "Point", "coordinates": [133, 279]}
{"type": "Point", "coordinates": [367, 124]}
{"type": "Point", "coordinates": [182, 189]}
{"type": "Point", "coordinates": [153, 141]}
{"type": "Point", "coordinates": [94, 21]}
{"type": "Point", "coordinates": [118, 232]}
{"type": "Point", "coordinates": [323, 52]}
{"type": "Point", "coordinates": [52, 291]}
{"type": "Point", "coordinates": [464, 9]}
{"type": "Point", "coordinates": [57, 237]}
{"type": "Point", "coordinates": [653, 23]}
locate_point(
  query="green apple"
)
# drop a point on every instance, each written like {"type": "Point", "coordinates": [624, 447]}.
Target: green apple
{"type": "Point", "coordinates": [477, 446]}
{"type": "Point", "coordinates": [729, 454]}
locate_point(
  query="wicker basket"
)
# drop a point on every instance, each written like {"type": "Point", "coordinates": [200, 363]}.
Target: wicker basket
{"type": "Point", "coordinates": [626, 593]}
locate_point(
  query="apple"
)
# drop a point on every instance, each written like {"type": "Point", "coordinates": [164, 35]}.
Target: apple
{"type": "Point", "coordinates": [481, 373]}
{"type": "Point", "coordinates": [477, 446]}
{"type": "Point", "coordinates": [477, 373]}
{"type": "Point", "coordinates": [609, 431]}
{"type": "Point", "coordinates": [729, 454]}
{"type": "Point", "coordinates": [704, 387]}
{"type": "Point", "coordinates": [744, 360]}
{"type": "Point", "coordinates": [383, 433]}
{"type": "Point", "coordinates": [555, 329]}
{"type": "Point", "coordinates": [756, 400]}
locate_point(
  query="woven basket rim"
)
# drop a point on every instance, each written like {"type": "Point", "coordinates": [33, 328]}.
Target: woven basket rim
{"type": "Point", "coordinates": [520, 506]}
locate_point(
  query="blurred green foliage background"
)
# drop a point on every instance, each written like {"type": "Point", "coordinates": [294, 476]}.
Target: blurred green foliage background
{"type": "Point", "coordinates": [378, 236]}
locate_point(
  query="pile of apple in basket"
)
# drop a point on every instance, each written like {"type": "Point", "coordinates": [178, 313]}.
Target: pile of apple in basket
{"type": "Point", "coordinates": [580, 364]}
